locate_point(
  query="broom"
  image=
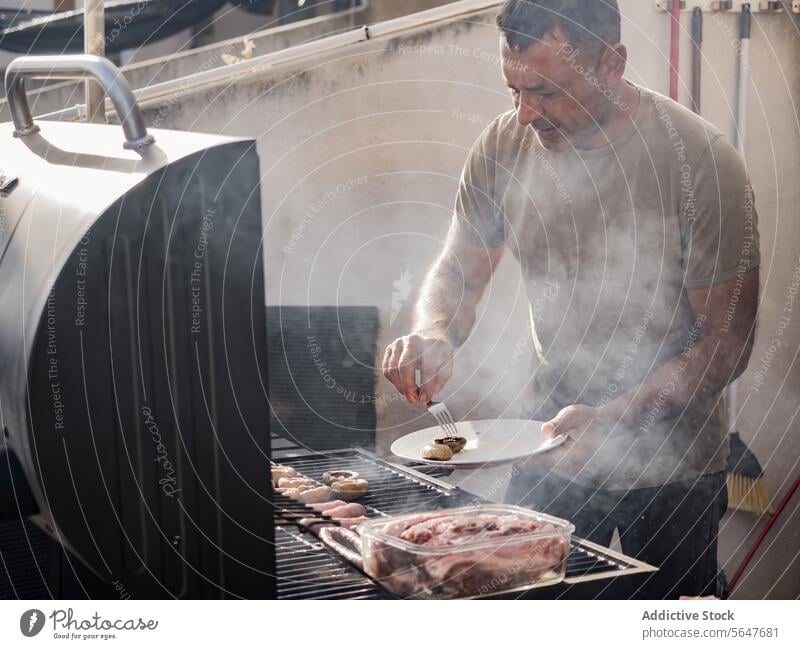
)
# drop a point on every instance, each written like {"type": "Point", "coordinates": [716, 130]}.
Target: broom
{"type": "Point", "coordinates": [745, 475]}
{"type": "Point", "coordinates": [745, 479]}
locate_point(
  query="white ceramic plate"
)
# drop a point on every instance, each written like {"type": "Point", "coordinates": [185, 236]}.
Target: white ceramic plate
{"type": "Point", "coordinates": [489, 442]}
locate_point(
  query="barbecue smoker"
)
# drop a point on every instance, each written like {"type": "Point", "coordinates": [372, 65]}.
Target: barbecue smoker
{"type": "Point", "coordinates": [132, 339]}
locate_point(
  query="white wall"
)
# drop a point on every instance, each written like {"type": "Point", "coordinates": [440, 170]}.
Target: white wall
{"type": "Point", "coordinates": [361, 152]}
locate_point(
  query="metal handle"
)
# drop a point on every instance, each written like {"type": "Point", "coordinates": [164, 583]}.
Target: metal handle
{"type": "Point", "coordinates": [74, 67]}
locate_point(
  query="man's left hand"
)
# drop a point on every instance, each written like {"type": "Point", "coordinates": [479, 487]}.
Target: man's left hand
{"type": "Point", "coordinates": [576, 420]}
{"type": "Point", "coordinates": [587, 429]}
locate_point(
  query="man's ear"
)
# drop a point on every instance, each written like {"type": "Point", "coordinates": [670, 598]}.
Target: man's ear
{"type": "Point", "coordinates": [613, 62]}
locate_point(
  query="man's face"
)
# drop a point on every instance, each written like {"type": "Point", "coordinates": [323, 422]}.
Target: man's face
{"type": "Point", "coordinates": [555, 90]}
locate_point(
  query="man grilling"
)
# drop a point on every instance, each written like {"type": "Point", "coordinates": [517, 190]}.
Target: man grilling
{"type": "Point", "coordinates": [636, 219]}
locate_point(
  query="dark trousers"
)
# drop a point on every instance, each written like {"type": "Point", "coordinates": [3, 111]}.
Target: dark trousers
{"type": "Point", "coordinates": [673, 527]}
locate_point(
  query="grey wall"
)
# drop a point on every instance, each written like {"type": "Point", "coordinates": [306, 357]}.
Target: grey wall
{"type": "Point", "coordinates": [361, 152]}
{"type": "Point", "coordinates": [171, 58]}
{"type": "Point", "coordinates": [179, 55]}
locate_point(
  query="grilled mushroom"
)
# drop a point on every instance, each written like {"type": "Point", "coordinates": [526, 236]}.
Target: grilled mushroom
{"type": "Point", "coordinates": [316, 495]}
{"type": "Point", "coordinates": [439, 452]}
{"type": "Point", "coordinates": [350, 489]}
{"type": "Point", "coordinates": [456, 444]}
{"type": "Point", "coordinates": [329, 477]}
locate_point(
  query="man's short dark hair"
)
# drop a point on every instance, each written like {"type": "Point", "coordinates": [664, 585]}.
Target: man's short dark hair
{"type": "Point", "coordinates": [585, 23]}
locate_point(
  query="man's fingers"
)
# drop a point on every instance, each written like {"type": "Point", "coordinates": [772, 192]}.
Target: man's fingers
{"type": "Point", "coordinates": [398, 367]}
{"type": "Point", "coordinates": [572, 419]}
{"type": "Point", "coordinates": [432, 357]}
{"type": "Point", "coordinates": [429, 390]}
{"type": "Point", "coordinates": [436, 370]}
{"type": "Point", "coordinates": [549, 428]}
{"type": "Point", "coordinates": [561, 424]}
{"type": "Point", "coordinates": [428, 383]}
{"type": "Point", "coordinates": [435, 383]}
{"type": "Point", "coordinates": [387, 360]}
{"type": "Point", "coordinates": [407, 366]}
{"type": "Point", "coordinates": [392, 371]}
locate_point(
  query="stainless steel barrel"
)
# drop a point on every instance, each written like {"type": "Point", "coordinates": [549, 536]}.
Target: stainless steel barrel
{"type": "Point", "coordinates": [132, 343]}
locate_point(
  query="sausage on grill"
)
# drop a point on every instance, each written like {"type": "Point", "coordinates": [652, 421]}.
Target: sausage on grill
{"type": "Point", "coordinates": [351, 510]}
{"type": "Point", "coordinates": [323, 507]}
{"type": "Point", "coordinates": [316, 495]}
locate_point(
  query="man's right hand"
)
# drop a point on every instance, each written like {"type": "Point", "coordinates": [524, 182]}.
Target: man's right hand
{"type": "Point", "coordinates": [447, 302]}
{"type": "Point", "coordinates": [432, 356]}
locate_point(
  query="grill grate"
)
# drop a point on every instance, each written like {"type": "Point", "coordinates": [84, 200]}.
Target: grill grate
{"type": "Point", "coordinates": [392, 490]}
{"type": "Point", "coordinates": [306, 570]}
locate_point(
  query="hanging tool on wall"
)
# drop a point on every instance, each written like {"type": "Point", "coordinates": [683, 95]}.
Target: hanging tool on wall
{"type": "Point", "coordinates": [746, 489]}
{"type": "Point", "coordinates": [751, 478]}
{"type": "Point", "coordinates": [697, 57]}
{"type": "Point", "coordinates": [674, 47]}
{"type": "Point", "coordinates": [744, 76]}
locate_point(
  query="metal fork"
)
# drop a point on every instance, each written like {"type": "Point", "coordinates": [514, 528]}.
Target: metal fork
{"type": "Point", "coordinates": [443, 417]}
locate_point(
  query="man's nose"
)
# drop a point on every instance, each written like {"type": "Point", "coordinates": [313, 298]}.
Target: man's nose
{"type": "Point", "coordinates": [528, 111]}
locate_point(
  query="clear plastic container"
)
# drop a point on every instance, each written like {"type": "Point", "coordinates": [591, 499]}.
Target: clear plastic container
{"type": "Point", "coordinates": [474, 551]}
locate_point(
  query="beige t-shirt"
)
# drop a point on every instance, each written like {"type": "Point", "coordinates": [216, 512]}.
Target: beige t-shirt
{"type": "Point", "coordinates": [608, 241]}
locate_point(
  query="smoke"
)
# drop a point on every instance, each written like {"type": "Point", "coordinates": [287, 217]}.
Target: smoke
{"type": "Point", "coordinates": [600, 245]}
{"type": "Point", "coordinates": [589, 299]}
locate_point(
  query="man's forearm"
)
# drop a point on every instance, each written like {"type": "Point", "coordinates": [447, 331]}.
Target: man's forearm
{"type": "Point", "coordinates": [447, 304]}
{"type": "Point", "coordinates": [702, 369]}
{"type": "Point", "coordinates": [716, 353]}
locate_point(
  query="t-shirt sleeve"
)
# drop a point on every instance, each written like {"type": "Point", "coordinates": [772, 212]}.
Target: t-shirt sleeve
{"type": "Point", "coordinates": [477, 215]}
{"type": "Point", "coordinates": [719, 219]}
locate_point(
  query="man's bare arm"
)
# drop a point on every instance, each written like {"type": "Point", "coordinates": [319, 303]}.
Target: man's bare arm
{"type": "Point", "coordinates": [726, 317]}
{"type": "Point", "coordinates": [453, 288]}
{"type": "Point", "coordinates": [443, 317]}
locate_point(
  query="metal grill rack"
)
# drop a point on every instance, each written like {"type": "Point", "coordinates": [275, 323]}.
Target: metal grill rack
{"type": "Point", "coordinates": [306, 570]}
{"type": "Point", "coordinates": [392, 489]}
